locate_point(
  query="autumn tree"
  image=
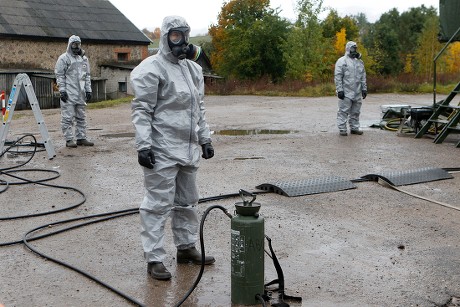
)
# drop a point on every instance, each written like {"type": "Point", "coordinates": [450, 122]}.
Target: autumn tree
{"type": "Point", "coordinates": [148, 33]}
{"type": "Point", "coordinates": [363, 25]}
{"type": "Point", "coordinates": [340, 41]}
{"type": "Point", "coordinates": [247, 40]}
{"type": "Point", "coordinates": [412, 24]}
{"type": "Point", "coordinates": [408, 66]}
{"type": "Point", "coordinates": [427, 48]}
{"type": "Point", "coordinates": [157, 33]}
{"type": "Point", "coordinates": [305, 48]}
{"type": "Point", "coordinates": [452, 58]}
{"type": "Point", "coordinates": [394, 38]}
{"type": "Point", "coordinates": [387, 40]}
{"type": "Point", "coordinates": [333, 23]}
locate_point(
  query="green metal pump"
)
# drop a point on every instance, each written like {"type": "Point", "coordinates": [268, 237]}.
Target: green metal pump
{"type": "Point", "coordinates": [247, 252]}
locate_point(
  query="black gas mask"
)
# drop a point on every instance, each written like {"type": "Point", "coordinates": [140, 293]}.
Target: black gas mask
{"type": "Point", "coordinates": [354, 52]}
{"type": "Point", "coordinates": [179, 45]}
{"type": "Point", "coordinates": [76, 48]}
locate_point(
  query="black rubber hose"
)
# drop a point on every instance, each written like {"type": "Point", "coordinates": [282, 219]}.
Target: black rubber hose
{"type": "Point", "coordinates": [4, 183]}
{"type": "Point", "coordinates": [116, 215]}
{"type": "Point", "coordinates": [50, 211]}
{"type": "Point", "coordinates": [30, 247]}
{"type": "Point", "coordinates": [261, 299]}
{"type": "Point", "coordinates": [66, 229]}
{"type": "Point", "coordinates": [16, 144]}
{"type": "Point", "coordinates": [224, 196]}
{"type": "Point", "coordinates": [203, 256]}
{"type": "Point", "coordinates": [26, 181]}
{"type": "Point", "coordinates": [8, 171]}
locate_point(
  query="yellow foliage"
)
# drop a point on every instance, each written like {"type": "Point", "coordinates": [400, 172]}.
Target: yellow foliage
{"type": "Point", "coordinates": [340, 41]}
{"type": "Point", "coordinates": [408, 63]}
{"type": "Point", "coordinates": [453, 58]}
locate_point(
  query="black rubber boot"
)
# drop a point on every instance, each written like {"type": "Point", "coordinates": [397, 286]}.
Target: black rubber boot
{"type": "Point", "coordinates": [192, 255]}
{"type": "Point", "coordinates": [70, 144]}
{"type": "Point", "coordinates": [84, 142]}
{"type": "Point", "coordinates": [358, 132]}
{"type": "Point", "coordinates": [158, 271]}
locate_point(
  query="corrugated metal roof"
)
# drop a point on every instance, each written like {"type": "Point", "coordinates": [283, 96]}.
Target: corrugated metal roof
{"type": "Point", "coordinates": [92, 20]}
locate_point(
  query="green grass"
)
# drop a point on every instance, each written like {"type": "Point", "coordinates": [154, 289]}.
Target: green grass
{"type": "Point", "coordinates": [283, 90]}
{"type": "Point", "coordinates": [109, 103]}
{"type": "Point", "coordinates": [264, 87]}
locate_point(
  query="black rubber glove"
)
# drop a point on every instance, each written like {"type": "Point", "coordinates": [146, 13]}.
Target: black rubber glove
{"type": "Point", "coordinates": [208, 151]}
{"type": "Point", "coordinates": [364, 94]}
{"type": "Point", "coordinates": [341, 94]}
{"type": "Point", "coordinates": [146, 158]}
{"type": "Point", "coordinates": [88, 96]}
{"type": "Point", "coordinates": [64, 96]}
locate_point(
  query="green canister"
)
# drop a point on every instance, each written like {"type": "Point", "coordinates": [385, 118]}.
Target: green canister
{"type": "Point", "coordinates": [247, 252]}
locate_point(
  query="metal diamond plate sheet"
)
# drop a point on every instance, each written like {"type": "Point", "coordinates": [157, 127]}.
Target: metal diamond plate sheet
{"type": "Point", "coordinates": [308, 186]}
{"type": "Point", "coordinates": [411, 176]}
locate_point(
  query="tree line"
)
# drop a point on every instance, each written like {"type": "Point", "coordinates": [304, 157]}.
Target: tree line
{"type": "Point", "coordinates": [251, 41]}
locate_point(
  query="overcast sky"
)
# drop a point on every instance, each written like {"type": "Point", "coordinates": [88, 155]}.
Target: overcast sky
{"type": "Point", "coordinates": [202, 13]}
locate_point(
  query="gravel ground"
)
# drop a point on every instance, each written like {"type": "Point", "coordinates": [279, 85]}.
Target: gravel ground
{"type": "Point", "coordinates": [368, 246]}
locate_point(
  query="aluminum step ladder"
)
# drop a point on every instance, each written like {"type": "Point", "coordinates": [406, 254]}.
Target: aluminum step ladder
{"type": "Point", "coordinates": [23, 81]}
{"type": "Point", "coordinates": [450, 125]}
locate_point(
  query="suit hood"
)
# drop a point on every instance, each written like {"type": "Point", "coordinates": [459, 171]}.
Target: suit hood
{"type": "Point", "coordinates": [169, 23]}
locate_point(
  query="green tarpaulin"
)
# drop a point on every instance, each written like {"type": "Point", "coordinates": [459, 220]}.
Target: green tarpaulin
{"type": "Point", "coordinates": [449, 20]}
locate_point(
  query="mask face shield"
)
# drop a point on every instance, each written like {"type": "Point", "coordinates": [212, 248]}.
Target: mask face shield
{"type": "Point", "coordinates": [178, 41]}
{"type": "Point", "coordinates": [75, 47]}
{"type": "Point", "coordinates": [178, 37]}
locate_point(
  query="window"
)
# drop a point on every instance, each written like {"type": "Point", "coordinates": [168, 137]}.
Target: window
{"type": "Point", "coordinates": [122, 87]}
{"type": "Point", "coordinates": [122, 56]}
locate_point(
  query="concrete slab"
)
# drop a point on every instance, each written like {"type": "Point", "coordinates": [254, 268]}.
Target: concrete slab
{"type": "Point", "coordinates": [369, 246]}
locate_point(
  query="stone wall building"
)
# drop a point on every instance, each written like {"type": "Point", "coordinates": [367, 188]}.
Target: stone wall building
{"type": "Point", "coordinates": [33, 33]}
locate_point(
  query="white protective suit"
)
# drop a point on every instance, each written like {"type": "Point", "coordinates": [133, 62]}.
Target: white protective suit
{"type": "Point", "coordinates": [349, 77]}
{"type": "Point", "coordinates": [73, 76]}
{"type": "Point", "coordinates": [169, 117]}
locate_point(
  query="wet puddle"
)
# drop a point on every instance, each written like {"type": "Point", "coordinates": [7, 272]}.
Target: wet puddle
{"type": "Point", "coordinates": [218, 132]}
{"type": "Point", "coordinates": [119, 135]}
{"type": "Point", "coordinates": [253, 132]}
{"type": "Point", "coordinates": [250, 158]}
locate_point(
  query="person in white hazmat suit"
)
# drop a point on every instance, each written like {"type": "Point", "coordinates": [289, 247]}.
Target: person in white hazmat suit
{"type": "Point", "coordinates": [351, 86]}
{"type": "Point", "coordinates": [169, 119]}
{"type": "Point", "coordinates": [74, 81]}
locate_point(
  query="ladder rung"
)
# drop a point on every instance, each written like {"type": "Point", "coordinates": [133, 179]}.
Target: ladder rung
{"type": "Point", "coordinates": [456, 128]}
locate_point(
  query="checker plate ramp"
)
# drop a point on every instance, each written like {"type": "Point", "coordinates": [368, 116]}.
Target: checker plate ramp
{"type": "Point", "coordinates": [411, 176]}
{"type": "Point", "coordinates": [308, 186]}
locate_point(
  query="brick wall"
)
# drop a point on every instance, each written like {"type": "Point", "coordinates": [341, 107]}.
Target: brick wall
{"type": "Point", "coordinates": [18, 54]}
